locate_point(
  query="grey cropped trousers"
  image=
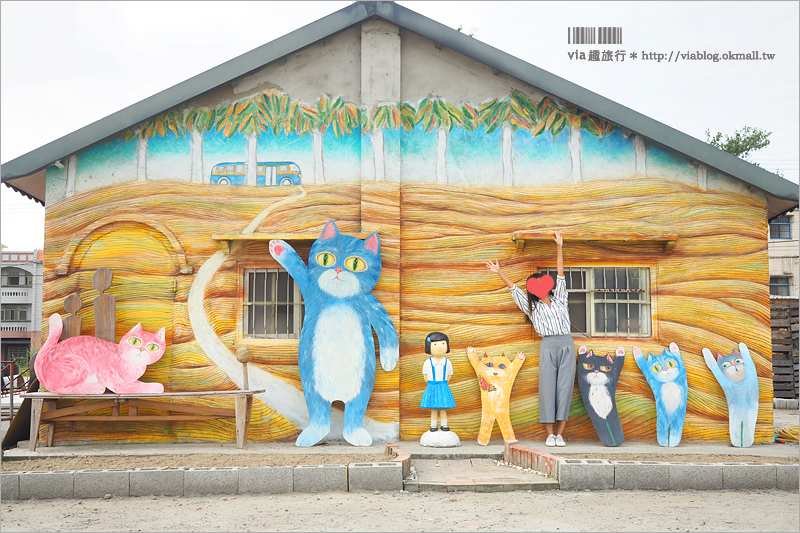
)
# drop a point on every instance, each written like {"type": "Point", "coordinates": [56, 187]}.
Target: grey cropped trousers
{"type": "Point", "coordinates": [556, 377]}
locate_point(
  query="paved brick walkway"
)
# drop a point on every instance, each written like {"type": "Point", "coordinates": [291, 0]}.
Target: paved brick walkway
{"type": "Point", "coordinates": [476, 474]}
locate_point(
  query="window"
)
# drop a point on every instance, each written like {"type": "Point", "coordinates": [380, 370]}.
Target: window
{"type": "Point", "coordinates": [19, 354]}
{"type": "Point", "coordinates": [608, 301]}
{"type": "Point", "coordinates": [262, 169]}
{"type": "Point", "coordinates": [273, 306]}
{"type": "Point", "coordinates": [780, 286]}
{"type": "Point", "coordinates": [781, 228]}
{"type": "Point", "coordinates": [16, 277]}
{"type": "Point", "coordinates": [239, 169]}
{"type": "Point", "coordinates": [283, 169]}
{"type": "Point", "coordinates": [15, 312]}
{"type": "Point", "coordinates": [229, 169]}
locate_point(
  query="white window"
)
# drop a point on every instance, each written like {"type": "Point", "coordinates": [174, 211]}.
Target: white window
{"type": "Point", "coordinates": [16, 277]}
{"type": "Point", "coordinates": [15, 312]}
{"type": "Point", "coordinates": [608, 301]}
{"type": "Point", "coordinates": [781, 228]}
{"type": "Point", "coordinates": [780, 286]}
{"type": "Point", "coordinates": [273, 306]}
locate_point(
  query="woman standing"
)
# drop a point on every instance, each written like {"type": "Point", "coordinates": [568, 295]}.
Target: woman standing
{"type": "Point", "coordinates": [546, 307]}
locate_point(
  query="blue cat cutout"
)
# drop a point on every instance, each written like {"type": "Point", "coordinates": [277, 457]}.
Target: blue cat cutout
{"type": "Point", "coordinates": [736, 375]}
{"type": "Point", "coordinates": [336, 355]}
{"type": "Point", "coordinates": [666, 375]}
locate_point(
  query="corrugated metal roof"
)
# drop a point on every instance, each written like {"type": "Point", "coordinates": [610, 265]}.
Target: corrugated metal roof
{"type": "Point", "coordinates": [781, 193]}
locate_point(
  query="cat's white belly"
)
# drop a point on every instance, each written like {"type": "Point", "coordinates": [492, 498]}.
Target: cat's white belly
{"type": "Point", "coordinates": [600, 401]}
{"type": "Point", "coordinates": [338, 354]}
{"type": "Point", "coordinates": [671, 397]}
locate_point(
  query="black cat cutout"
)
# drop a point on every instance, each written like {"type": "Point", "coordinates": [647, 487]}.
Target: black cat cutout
{"type": "Point", "coordinates": [597, 380]}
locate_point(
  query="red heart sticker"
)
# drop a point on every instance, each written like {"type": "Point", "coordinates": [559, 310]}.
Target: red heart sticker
{"type": "Point", "coordinates": [541, 286]}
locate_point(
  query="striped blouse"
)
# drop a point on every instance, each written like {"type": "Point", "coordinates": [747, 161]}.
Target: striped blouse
{"type": "Point", "coordinates": [547, 320]}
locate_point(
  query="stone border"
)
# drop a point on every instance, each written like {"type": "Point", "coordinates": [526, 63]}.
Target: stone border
{"type": "Point", "coordinates": [517, 454]}
{"type": "Point", "coordinates": [602, 474]}
{"type": "Point", "coordinates": [386, 476]}
{"type": "Point", "coordinates": [785, 403]}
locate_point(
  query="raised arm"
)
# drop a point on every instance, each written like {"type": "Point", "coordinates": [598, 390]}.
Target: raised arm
{"type": "Point", "coordinates": [495, 267]}
{"type": "Point", "coordinates": [712, 365]}
{"type": "Point", "coordinates": [387, 334]}
{"type": "Point", "coordinates": [285, 255]}
{"type": "Point", "coordinates": [559, 254]}
{"type": "Point", "coordinates": [472, 355]}
{"type": "Point", "coordinates": [516, 365]}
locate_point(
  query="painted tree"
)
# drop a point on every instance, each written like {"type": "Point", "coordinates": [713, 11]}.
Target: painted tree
{"type": "Point", "coordinates": [198, 121]}
{"type": "Point", "coordinates": [432, 113]}
{"type": "Point", "coordinates": [161, 125]}
{"type": "Point", "coordinates": [391, 116]}
{"type": "Point", "coordinates": [343, 117]}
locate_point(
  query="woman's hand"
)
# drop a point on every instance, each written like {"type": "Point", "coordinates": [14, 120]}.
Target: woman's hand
{"type": "Point", "coordinates": [494, 267]}
{"type": "Point", "coordinates": [558, 238]}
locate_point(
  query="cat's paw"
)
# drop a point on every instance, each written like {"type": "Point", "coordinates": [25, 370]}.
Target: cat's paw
{"type": "Point", "coordinates": [389, 357]}
{"type": "Point", "coordinates": [276, 247]}
{"type": "Point", "coordinates": [470, 350]}
{"type": "Point", "coordinates": [358, 437]}
{"type": "Point", "coordinates": [311, 435]}
{"type": "Point", "coordinates": [637, 353]}
{"type": "Point", "coordinates": [520, 356]}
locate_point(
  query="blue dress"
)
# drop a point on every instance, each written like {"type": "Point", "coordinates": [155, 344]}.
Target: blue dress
{"type": "Point", "coordinates": [437, 394]}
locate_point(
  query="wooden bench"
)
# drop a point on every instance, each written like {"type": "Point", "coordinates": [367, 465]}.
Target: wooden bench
{"type": "Point", "coordinates": [177, 412]}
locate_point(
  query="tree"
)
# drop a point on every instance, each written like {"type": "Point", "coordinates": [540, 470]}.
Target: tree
{"type": "Point", "coordinates": [742, 142]}
{"type": "Point", "coordinates": [387, 116]}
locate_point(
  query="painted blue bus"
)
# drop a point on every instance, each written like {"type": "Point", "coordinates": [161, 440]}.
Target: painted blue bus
{"type": "Point", "coordinates": [267, 173]}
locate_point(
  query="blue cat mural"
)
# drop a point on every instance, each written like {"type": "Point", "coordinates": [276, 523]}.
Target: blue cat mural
{"type": "Point", "coordinates": [666, 375]}
{"type": "Point", "coordinates": [736, 374]}
{"type": "Point", "coordinates": [336, 355]}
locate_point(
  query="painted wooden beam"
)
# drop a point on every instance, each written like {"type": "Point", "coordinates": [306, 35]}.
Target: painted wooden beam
{"type": "Point", "coordinates": [668, 239]}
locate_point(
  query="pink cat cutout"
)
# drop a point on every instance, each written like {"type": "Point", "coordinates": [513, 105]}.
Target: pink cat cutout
{"type": "Point", "coordinates": [87, 365]}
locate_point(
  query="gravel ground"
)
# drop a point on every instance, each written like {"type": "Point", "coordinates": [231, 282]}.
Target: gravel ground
{"type": "Point", "coordinates": [556, 510]}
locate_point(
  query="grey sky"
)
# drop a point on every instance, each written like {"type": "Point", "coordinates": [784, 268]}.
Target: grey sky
{"type": "Point", "coordinates": [67, 64]}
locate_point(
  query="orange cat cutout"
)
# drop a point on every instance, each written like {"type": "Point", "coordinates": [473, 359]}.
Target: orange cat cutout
{"type": "Point", "coordinates": [496, 375]}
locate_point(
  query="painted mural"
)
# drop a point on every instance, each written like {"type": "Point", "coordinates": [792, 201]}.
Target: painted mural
{"type": "Point", "coordinates": [598, 377]}
{"type": "Point", "coordinates": [666, 374]}
{"type": "Point", "coordinates": [336, 355]}
{"type": "Point", "coordinates": [89, 365]}
{"type": "Point", "coordinates": [736, 375]}
{"type": "Point", "coordinates": [152, 205]}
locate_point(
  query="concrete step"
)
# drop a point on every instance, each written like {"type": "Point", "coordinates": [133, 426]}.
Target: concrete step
{"type": "Point", "coordinates": [478, 474]}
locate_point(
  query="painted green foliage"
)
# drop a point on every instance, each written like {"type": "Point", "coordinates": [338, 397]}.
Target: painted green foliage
{"type": "Point", "coordinates": [277, 112]}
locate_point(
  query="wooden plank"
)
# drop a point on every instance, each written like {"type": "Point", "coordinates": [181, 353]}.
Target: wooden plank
{"type": "Point", "coordinates": [80, 408]}
{"type": "Point", "coordinates": [241, 408]}
{"type": "Point", "coordinates": [52, 395]}
{"type": "Point", "coordinates": [105, 306]}
{"type": "Point", "coordinates": [72, 323]}
{"type": "Point", "coordinates": [144, 418]}
{"type": "Point", "coordinates": [50, 405]}
{"type": "Point", "coordinates": [782, 378]}
{"type": "Point", "coordinates": [36, 417]}
{"type": "Point", "coordinates": [182, 408]}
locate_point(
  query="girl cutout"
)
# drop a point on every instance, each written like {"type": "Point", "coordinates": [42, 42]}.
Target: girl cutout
{"type": "Point", "coordinates": [437, 369]}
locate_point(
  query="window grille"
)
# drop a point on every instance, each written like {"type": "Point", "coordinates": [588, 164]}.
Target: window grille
{"type": "Point", "coordinates": [608, 301]}
{"type": "Point", "coordinates": [273, 306]}
{"type": "Point", "coordinates": [780, 286]}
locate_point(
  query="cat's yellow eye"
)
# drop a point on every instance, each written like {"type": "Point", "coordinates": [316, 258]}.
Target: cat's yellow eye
{"type": "Point", "coordinates": [356, 264]}
{"type": "Point", "coordinates": [326, 259]}
{"type": "Point", "coordinates": [672, 364]}
{"type": "Point", "coordinates": [605, 368]}
{"type": "Point", "coordinates": [135, 341]}
{"type": "Point", "coordinates": [587, 366]}
{"type": "Point", "coordinates": [657, 368]}
{"type": "Point", "coordinates": [153, 347]}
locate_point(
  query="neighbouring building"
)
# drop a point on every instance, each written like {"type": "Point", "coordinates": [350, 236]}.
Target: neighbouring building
{"type": "Point", "coordinates": [20, 304]}
{"type": "Point", "coordinates": [784, 256]}
{"type": "Point", "coordinates": [456, 153]}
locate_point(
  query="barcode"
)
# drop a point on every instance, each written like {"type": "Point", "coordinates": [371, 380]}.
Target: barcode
{"type": "Point", "coordinates": [592, 35]}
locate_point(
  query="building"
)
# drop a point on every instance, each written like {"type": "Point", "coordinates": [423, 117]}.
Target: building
{"type": "Point", "coordinates": [456, 154]}
{"type": "Point", "coordinates": [784, 256]}
{"type": "Point", "coordinates": [21, 304]}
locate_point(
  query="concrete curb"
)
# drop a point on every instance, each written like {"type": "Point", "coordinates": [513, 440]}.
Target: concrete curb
{"type": "Point", "coordinates": [201, 481]}
{"type": "Point", "coordinates": [785, 403]}
{"type": "Point", "coordinates": [601, 474]}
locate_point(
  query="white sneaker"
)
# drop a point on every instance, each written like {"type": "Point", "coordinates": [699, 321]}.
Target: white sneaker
{"type": "Point", "coordinates": [551, 441]}
{"type": "Point", "coordinates": [559, 441]}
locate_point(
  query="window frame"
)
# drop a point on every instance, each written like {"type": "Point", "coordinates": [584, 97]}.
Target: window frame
{"type": "Point", "coordinates": [298, 303]}
{"type": "Point", "coordinates": [15, 307]}
{"type": "Point", "coordinates": [15, 272]}
{"type": "Point", "coordinates": [647, 305]}
{"type": "Point", "coordinates": [788, 286]}
{"type": "Point", "coordinates": [780, 225]}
